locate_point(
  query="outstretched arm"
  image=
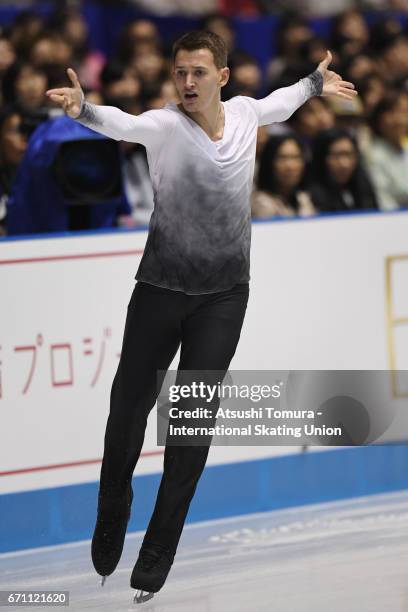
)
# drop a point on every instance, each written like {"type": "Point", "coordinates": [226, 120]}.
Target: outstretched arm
{"type": "Point", "coordinates": [108, 120]}
{"type": "Point", "coordinates": [283, 102]}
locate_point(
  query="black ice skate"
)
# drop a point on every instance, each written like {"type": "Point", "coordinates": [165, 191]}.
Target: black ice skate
{"type": "Point", "coordinates": [110, 531]}
{"type": "Point", "coordinates": [150, 571]}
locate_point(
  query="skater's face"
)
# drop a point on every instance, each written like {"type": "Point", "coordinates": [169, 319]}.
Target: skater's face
{"type": "Point", "coordinates": [341, 160]}
{"type": "Point", "coordinates": [198, 80]}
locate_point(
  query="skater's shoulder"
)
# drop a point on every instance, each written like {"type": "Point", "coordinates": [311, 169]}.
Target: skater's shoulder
{"type": "Point", "coordinates": [244, 106]}
{"type": "Point", "coordinates": [165, 116]}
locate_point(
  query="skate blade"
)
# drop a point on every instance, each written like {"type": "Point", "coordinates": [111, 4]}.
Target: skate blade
{"type": "Point", "coordinates": [103, 580]}
{"type": "Point", "coordinates": [142, 596]}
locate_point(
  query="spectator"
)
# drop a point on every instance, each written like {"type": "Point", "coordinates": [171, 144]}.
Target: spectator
{"type": "Point", "coordinates": [177, 7]}
{"type": "Point", "coordinates": [56, 75]}
{"type": "Point", "coordinates": [140, 35]}
{"type": "Point", "coordinates": [150, 66]}
{"type": "Point", "coordinates": [13, 144]}
{"type": "Point", "coordinates": [246, 77]}
{"type": "Point", "coordinates": [26, 26]}
{"type": "Point", "coordinates": [25, 86]}
{"type": "Point", "coordinates": [371, 89]}
{"type": "Point", "coordinates": [339, 180]}
{"type": "Point", "coordinates": [314, 50]}
{"type": "Point", "coordinates": [120, 86]}
{"type": "Point", "coordinates": [159, 95]}
{"type": "Point", "coordinates": [293, 36]}
{"type": "Point", "coordinates": [93, 96]}
{"type": "Point", "coordinates": [390, 47]}
{"type": "Point", "coordinates": [350, 34]}
{"type": "Point", "coordinates": [50, 48]}
{"type": "Point", "coordinates": [394, 5]}
{"type": "Point", "coordinates": [393, 60]}
{"type": "Point", "coordinates": [387, 158]}
{"type": "Point", "coordinates": [375, 59]}
{"type": "Point", "coordinates": [168, 91]}
{"type": "Point", "coordinates": [311, 118]}
{"type": "Point", "coordinates": [222, 26]}
{"type": "Point", "coordinates": [281, 189]}
{"type": "Point", "coordinates": [7, 55]}
{"type": "Point", "coordinates": [384, 29]}
{"type": "Point", "coordinates": [356, 67]}
{"type": "Point", "coordinates": [262, 139]}
{"type": "Point", "coordinates": [350, 113]}
{"type": "Point", "coordinates": [73, 27]}
{"type": "Point", "coordinates": [309, 8]}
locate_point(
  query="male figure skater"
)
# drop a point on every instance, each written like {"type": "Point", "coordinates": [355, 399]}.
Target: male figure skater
{"type": "Point", "coordinates": [192, 282]}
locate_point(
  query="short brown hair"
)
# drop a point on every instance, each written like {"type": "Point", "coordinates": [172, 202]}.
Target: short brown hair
{"type": "Point", "coordinates": [199, 39]}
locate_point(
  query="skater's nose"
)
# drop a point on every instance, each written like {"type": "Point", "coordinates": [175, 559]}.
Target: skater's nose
{"type": "Point", "coordinates": [189, 80]}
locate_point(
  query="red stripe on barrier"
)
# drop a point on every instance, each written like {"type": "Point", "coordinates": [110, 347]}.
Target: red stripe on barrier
{"type": "Point", "coordinates": [57, 466]}
{"type": "Point", "coordinates": [4, 262]}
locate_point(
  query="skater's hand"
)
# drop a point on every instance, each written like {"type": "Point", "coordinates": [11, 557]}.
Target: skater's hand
{"type": "Point", "coordinates": [69, 98]}
{"type": "Point", "coordinates": [333, 84]}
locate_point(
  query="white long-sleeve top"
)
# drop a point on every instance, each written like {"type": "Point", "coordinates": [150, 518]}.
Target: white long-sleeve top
{"type": "Point", "coordinates": [200, 229]}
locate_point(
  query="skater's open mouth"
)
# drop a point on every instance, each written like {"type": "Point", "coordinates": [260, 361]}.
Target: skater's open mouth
{"type": "Point", "coordinates": [190, 96]}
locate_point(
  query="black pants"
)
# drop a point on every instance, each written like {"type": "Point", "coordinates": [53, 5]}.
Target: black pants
{"type": "Point", "coordinates": [158, 320]}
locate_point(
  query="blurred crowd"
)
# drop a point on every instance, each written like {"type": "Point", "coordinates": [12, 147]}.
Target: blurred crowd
{"type": "Point", "coordinates": [330, 156]}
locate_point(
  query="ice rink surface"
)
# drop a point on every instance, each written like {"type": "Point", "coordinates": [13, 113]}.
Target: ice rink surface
{"type": "Point", "coordinates": [348, 556]}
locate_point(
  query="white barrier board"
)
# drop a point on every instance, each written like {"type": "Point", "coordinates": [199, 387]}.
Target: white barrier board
{"type": "Point", "coordinates": [325, 293]}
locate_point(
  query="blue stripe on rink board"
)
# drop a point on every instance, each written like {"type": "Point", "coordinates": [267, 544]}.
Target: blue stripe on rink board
{"type": "Point", "coordinates": [64, 514]}
{"type": "Point", "coordinates": [144, 228]}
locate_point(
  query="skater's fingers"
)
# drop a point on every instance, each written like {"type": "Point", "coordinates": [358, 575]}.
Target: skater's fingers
{"type": "Point", "coordinates": [74, 78]}
{"type": "Point", "coordinates": [59, 99]}
{"type": "Point", "coordinates": [324, 63]}
{"type": "Point", "coordinates": [58, 91]}
{"type": "Point", "coordinates": [347, 84]}
{"type": "Point", "coordinates": [348, 96]}
{"type": "Point", "coordinates": [348, 91]}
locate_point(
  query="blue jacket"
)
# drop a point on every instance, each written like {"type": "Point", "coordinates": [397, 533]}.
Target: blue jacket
{"type": "Point", "coordinates": [36, 203]}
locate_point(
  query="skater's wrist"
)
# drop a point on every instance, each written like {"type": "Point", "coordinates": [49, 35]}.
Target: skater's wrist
{"type": "Point", "coordinates": [88, 114]}
{"type": "Point", "coordinates": [313, 84]}
{"type": "Point", "coordinates": [81, 106]}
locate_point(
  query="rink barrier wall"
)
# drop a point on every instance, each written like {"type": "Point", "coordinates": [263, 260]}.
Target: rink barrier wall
{"type": "Point", "coordinates": [40, 508]}
{"type": "Point", "coordinates": [59, 515]}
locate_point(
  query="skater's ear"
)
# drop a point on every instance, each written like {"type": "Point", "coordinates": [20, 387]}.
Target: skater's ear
{"type": "Point", "coordinates": [224, 75]}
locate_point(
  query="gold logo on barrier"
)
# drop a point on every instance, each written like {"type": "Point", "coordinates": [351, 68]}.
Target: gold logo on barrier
{"type": "Point", "coordinates": [393, 321]}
